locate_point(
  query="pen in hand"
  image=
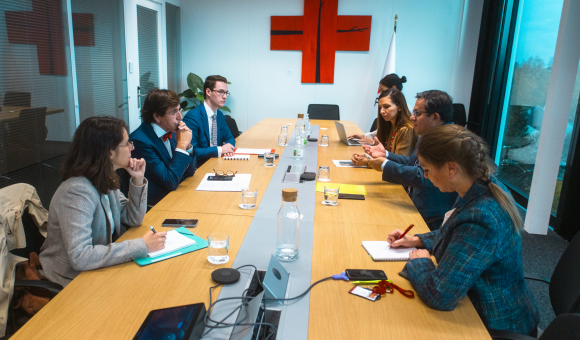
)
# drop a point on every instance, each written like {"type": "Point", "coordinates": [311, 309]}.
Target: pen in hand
{"type": "Point", "coordinates": [153, 229]}
{"type": "Point", "coordinates": [403, 234]}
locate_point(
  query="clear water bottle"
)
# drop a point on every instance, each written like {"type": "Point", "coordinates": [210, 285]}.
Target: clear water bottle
{"type": "Point", "coordinates": [307, 124]}
{"type": "Point", "coordinates": [299, 147]}
{"type": "Point", "coordinates": [288, 240]}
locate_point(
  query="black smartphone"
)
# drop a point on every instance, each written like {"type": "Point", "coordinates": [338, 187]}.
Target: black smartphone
{"type": "Point", "coordinates": [220, 178]}
{"type": "Point", "coordinates": [365, 274]}
{"type": "Point", "coordinates": [176, 223]}
{"type": "Point", "coordinates": [351, 196]}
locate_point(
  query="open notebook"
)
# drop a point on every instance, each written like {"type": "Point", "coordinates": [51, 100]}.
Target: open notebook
{"type": "Point", "coordinates": [174, 241]}
{"type": "Point", "coordinates": [381, 251]}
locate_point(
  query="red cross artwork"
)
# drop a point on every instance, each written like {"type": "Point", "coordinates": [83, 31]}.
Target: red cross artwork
{"type": "Point", "coordinates": [43, 27]}
{"type": "Point", "coordinates": [319, 34]}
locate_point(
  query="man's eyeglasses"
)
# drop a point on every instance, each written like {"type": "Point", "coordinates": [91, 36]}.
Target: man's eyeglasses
{"type": "Point", "coordinates": [228, 173]}
{"type": "Point", "coordinates": [418, 113]}
{"type": "Point", "coordinates": [222, 92]}
{"type": "Point", "coordinates": [176, 111]}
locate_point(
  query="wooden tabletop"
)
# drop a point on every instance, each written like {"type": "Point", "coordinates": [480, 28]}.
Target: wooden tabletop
{"type": "Point", "coordinates": [111, 303]}
{"type": "Point", "coordinates": [12, 112]}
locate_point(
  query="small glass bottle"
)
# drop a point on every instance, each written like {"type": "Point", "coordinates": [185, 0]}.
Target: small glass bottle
{"type": "Point", "coordinates": [307, 124]}
{"type": "Point", "coordinates": [288, 240]}
{"type": "Point", "coordinates": [299, 147]}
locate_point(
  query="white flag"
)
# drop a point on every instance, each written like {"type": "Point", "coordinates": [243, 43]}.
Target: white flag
{"type": "Point", "coordinates": [390, 65]}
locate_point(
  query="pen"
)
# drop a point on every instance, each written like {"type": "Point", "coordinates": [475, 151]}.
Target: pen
{"type": "Point", "coordinates": [369, 282]}
{"type": "Point", "coordinates": [153, 229]}
{"type": "Point", "coordinates": [403, 234]}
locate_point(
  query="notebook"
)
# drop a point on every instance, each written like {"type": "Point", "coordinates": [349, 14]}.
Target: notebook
{"type": "Point", "coordinates": [381, 251]}
{"type": "Point", "coordinates": [242, 157]}
{"type": "Point", "coordinates": [174, 241]}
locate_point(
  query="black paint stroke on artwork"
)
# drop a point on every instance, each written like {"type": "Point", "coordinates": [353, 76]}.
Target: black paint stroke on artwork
{"type": "Point", "coordinates": [281, 32]}
{"type": "Point", "coordinates": [354, 29]}
{"type": "Point", "coordinates": [317, 76]}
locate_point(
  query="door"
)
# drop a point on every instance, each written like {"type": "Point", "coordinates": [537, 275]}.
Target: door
{"type": "Point", "coordinates": [145, 53]}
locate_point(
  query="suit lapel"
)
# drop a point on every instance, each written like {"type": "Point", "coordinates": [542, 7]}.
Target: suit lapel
{"type": "Point", "coordinates": [156, 140]}
{"type": "Point", "coordinates": [108, 217]}
{"type": "Point", "coordinates": [205, 122]}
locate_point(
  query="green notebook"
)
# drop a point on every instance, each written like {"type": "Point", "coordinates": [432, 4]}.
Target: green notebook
{"type": "Point", "coordinates": [200, 243]}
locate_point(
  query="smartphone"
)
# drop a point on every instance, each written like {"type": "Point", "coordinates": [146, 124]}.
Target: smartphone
{"type": "Point", "coordinates": [351, 197]}
{"type": "Point", "coordinates": [220, 178]}
{"type": "Point", "coordinates": [365, 274]}
{"type": "Point", "coordinates": [176, 223]}
{"type": "Point", "coordinates": [364, 293]}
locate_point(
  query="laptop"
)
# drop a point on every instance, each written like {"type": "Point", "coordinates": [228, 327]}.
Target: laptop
{"type": "Point", "coordinates": [342, 135]}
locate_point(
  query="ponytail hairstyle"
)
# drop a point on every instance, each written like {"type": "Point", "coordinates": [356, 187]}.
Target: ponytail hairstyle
{"type": "Point", "coordinates": [453, 143]}
{"type": "Point", "coordinates": [384, 128]}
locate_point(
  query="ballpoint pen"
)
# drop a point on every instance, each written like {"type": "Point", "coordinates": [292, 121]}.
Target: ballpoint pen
{"type": "Point", "coordinates": [403, 234]}
{"type": "Point", "coordinates": [153, 229]}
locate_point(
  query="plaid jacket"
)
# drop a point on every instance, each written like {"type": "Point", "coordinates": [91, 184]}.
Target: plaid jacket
{"type": "Point", "coordinates": [478, 255]}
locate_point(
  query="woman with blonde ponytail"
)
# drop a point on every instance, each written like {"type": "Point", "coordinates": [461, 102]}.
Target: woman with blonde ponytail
{"type": "Point", "coordinates": [478, 247]}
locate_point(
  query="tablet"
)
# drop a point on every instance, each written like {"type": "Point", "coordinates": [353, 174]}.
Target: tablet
{"type": "Point", "coordinates": [178, 323]}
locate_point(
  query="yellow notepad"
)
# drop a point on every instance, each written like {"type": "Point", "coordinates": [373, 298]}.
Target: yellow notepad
{"type": "Point", "coordinates": [344, 188]}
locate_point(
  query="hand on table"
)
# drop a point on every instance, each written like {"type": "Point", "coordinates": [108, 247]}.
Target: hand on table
{"type": "Point", "coordinates": [359, 159]}
{"type": "Point", "coordinates": [419, 253]}
{"type": "Point", "coordinates": [376, 163]}
{"type": "Point", "coordinates": [356, 136]}
{"type": "Point", "coordinates": [227, 150]}
{"type": "Point", "coordinates": [407, 241]}
{"type": "Point", "coordinates": [377, 150]}
{"type": "Point", "coordinates": [136, 169]}
{"type": "Point", "coordinates": [155, 241]}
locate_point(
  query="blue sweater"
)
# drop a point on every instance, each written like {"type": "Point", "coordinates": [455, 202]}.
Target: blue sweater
{"type": "Point", "coordinates": [479, 255]}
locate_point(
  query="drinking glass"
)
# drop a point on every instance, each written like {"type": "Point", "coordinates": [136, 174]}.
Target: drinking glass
{"type": "Point", "coordinates": [331, 194]}
{"type": "Point", "coordinates": [324, 140]}
{"type": "Point", "coordinates": [249, 197]}
{"type": "Point", "coordinates": [283, 139]}
{"type": "Point", "coordinates": [218, 245]}
{"type": "Point", "coordinates": [324, 173]}
{"type": "Point", "coordinates": [284, 130]}
{"type": "Point", "coordinates": [269, 159]}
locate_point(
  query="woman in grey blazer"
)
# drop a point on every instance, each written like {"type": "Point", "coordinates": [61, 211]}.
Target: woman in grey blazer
{"type": "Point", "coordinates": [87, 209]}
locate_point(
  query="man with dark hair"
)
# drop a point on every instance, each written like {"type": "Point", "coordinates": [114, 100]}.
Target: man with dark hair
{"type": "Point", "coordinates": [432, 108]}
{"type": "Point", "coordinates": [211, 135]}
{"type": "Point", "coordinates": [164, 141]}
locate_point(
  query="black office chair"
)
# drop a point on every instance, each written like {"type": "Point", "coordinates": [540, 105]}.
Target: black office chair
{"type": "Point", "coordinates": [232, 126]}
{"type": "Point", "coordinates": [564, 288]}
{"type": "Point", "coordinates": [17, 99]}
{"type": "Point", "coordinates": [563, 327]}
{"type": "Point", "coordinates": [375, 125]}
{"type": "Point", "coordinates": [459, 115]}
{"type": "Point", "coordinates": [323, 111]}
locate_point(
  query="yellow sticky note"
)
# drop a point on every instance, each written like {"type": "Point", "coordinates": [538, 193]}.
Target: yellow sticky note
{"type": "Point", "coordinates": [344, 188]}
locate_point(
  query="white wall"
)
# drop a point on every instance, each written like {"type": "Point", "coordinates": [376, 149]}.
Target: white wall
{"type": "Point", "coordinates": [232, 38]}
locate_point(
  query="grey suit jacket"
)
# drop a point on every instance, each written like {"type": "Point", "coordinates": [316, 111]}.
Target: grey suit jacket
{"type": "Point", "coordinates": [79, 234]}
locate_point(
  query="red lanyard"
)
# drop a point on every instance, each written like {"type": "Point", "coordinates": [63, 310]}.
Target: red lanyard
{"type": "Point", "coordinates": [387, 287]}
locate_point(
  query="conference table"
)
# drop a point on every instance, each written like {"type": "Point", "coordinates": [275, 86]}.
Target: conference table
{"type": "Point", "coordinates": [111, 303]}
{"type": "Point", "coordinates": [11, 113]}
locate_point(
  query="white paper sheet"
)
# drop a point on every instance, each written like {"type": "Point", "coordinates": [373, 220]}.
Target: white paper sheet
{"type": "Point", "coordinates": [239, 182]}
{"type": "Point", "coordinates": [338, 164]}
{"type": "Point", "coordinates": [245, 151]}
{"type": "Point", "coordinates": [173, 242]}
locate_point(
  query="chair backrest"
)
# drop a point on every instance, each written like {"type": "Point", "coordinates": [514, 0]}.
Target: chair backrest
{"type": "Point", "coordinates": [232, 126]}
{"type": "Point", "coordinates": [17, 99]}
{"type": "Point", "coordinates": [323, 111]}
{"type": "Point", "coordinates": [459, 115]}
{"type": "Point", "coordinates": [565, 282]}
{"type": "Point", "coordinates": [375, 125]}
{"type": "Point", "coordinates": [564, 326]}
{"type": "Point", "coordinates": [34, 239]}
{"type": "Point", "coordinates": [33, 120]}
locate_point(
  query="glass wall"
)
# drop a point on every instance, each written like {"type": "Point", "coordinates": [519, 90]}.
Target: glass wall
{"type": "Point", "coordinates": [526, 94]}
{"type": "Point", "coordinates": [37, 116]}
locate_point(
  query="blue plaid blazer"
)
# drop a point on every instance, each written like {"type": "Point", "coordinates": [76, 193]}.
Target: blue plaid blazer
{"type": "Point", "coordinates": [479, 255]}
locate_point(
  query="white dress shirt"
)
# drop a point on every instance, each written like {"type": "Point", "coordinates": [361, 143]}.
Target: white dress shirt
{"type": "Point", "coordinates": [160, 132]}
{"type": "Point", "coordinates": [210, 114]}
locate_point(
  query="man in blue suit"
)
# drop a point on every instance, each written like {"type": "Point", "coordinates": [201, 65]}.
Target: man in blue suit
{"type": "Point", "coordinates": [211, 135]}
{"type": "Point", "coordinates": [164, 141]}
{"type": "Point", "coordinates": [432, 108]}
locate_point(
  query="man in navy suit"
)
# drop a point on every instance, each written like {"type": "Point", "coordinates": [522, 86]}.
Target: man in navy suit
{"type": "Point", "coordinates": [432, 108]}
{"type": "Point", "coordinates": [164, 141]}
{"type": "Point", "coordinates": [211, 135]}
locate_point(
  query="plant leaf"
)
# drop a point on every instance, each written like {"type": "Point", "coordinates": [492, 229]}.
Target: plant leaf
{"type": "Point", "coordinates": [183, 104]}
{"type": "Point", "coordinates": [194, 82]}
{"type": "Point", "coordinates": [225, 108]}
{"type": "Point", "coordinates": [200, 97]}
{"type": "Point", "coordinates": [187, 94]}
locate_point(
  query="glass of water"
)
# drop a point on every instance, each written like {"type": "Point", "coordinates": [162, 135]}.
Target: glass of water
{"type": "Point", "coordinates": [331, 194]}
{"type": "Point", "coordinates": [324, 173]}
{"type": "Point", "coordinates": [283, 139]}
{"type": "Point", "coordinates": [249, 197]}
{"type": "Point", "coordinates": [324, 140]}
{"type": "Point", "coordinates": [269, 159]}
{"type": "Point", "coordinates": [218, 246]}
{"type": "Point", "coordinates": [284, 130]}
